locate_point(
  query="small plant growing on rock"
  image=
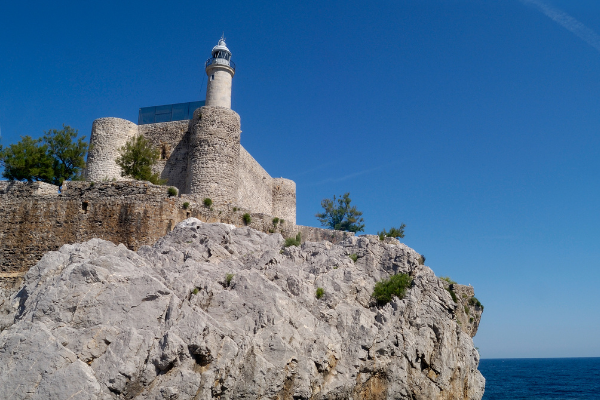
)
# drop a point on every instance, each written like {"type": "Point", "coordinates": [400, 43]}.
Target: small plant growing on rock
{"type": "Point", "coordinates": [353, 257]}
{"type": "Point", "coordinates": [207, 202]}
{"type": "Point", "coordinates": [293, 241]}
{"type": "Point", "coordinates": [393, 233]}
{"type": "Point", "coordinates": [281, 221]}
{"type": "Point", "coordinates": [92, 184]}
{"type": "Point", "coordinates": [448, 279]}
{"type": "Point", "coordinates": [320, 292]}
{"type": "Point", "coordinates": [186, 205]}
{"type": "Point", "coordinates": [467, 310]}
{"type": "Point", "coordinates": [395, 286]}
{"type": "Point", "coordinates": [275, 221]}
{"type": "Point", "coordinates": [422, 259]}
{"type": "Point", "coordinates": [195, 291]}
{"type": "Point", "coordinates": [247, 218]}
{"type": "Point", "coordinates": [452, 294]}
{"type": "Point", "coordinates": [235, 209]}
{"type": "Point", "coordinates": [228, 279]}
{"type": "Point", "coordinates": [475, 303]}
{"type": "Point", "coordinates": [171, 191]}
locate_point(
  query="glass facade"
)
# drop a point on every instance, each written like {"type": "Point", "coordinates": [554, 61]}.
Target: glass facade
{"type": "Point", "coordinates": [168, 113]}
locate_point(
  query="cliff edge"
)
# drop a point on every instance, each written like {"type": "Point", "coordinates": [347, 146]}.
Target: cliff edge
{"type": "Point", "coordinates": [214, 311]}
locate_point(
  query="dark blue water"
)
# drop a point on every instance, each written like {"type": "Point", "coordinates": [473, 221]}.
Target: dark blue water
{"type": "Point", "coordinates": [541, 378]}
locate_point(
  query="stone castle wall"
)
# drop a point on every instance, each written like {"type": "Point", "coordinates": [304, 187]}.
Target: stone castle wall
{"type": "Point", "coordinates": [255, 185]}
{"type": "Point", "coordinates": [284, 199]}
{"type": "Point", "coordinates": [202, 156]}
{"type": "Point", "coordinates": [172, 139]}
{"type": "Point", "coordinates": [35, 218]}
{"type": "Point", "coordinates": [214, 154]}
{"type": "Point", "coordinates": [108, 136]}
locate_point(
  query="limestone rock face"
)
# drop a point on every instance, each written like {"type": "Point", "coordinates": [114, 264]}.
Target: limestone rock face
{"type": "Point", "coordinates": [214, 311]}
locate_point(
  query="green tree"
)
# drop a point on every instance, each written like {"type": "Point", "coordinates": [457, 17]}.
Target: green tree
{"type": "Point", "coordinates": [53, 158]}
{"type": "Point", "coordinates": [394, 232]}
{"type": "Point", "coordinates": [339, 215]}
{"type": "Point", "coordinates": [68, 154]}
{"type": "Point", "coordinates": [27, 160]}
{"type": "Point", "coordinates": [136, 159]}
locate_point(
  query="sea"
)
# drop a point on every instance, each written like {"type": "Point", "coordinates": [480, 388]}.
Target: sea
{"type": "Point", "coordinates": [541, 378]}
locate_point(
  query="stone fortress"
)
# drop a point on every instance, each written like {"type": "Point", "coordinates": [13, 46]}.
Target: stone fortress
{"type": "Point", "coordinates": [201, 156]}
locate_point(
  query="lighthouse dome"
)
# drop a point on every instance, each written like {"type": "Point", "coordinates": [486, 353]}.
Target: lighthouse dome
{"type": "Point", "coordinates": [221, 50]}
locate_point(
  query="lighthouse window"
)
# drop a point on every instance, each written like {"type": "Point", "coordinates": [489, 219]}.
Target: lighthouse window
{"type": "Point", "coordinates": [212, 77]}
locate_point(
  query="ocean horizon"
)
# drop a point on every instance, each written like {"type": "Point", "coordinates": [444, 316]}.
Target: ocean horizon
{"type": "Point", "coordinates": [572, 378]}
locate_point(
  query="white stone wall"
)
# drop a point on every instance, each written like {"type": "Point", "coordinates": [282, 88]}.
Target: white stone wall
{"type": "Point", "coordinates": [172, 139]}
{"type": "Point", "coordinates": [284, 199]}
{"type": "Point", "coordinates": [255, 186]}
{"type": "Point", "coordinates": [218, 89]}
{"type": "Point", "coordinates": [202, 156]}
{"type": "Point", "coordinates": [108, 136]}
{"type": "Point", "coordinates": [214, 155]}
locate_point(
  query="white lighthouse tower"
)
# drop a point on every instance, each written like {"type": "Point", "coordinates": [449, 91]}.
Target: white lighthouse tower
{"type": "Point", "coordinates": [220, 70]}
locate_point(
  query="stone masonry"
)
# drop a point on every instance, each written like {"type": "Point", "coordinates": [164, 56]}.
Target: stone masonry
{"type": "Point", "coordinates": [36, 218]}
{"type": "Point", "coordinates": [214, 154]}
{"type": "Point", "coordinates": [201, 156]}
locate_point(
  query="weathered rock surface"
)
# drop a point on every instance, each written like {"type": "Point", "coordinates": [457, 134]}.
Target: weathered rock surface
{"type": "Point", "coordinates": [98, 321]}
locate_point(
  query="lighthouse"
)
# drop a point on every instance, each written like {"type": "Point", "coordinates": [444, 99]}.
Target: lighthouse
{"type": "Point", "coordinates": [220, 70]}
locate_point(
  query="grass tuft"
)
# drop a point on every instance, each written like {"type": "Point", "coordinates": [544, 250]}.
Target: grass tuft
{"type": "Point", "coordinates": [396, 285]}
{"type": "Point", "coordinates": [297, 241]}
{"type": "Point", "coordinates": [320, 292]}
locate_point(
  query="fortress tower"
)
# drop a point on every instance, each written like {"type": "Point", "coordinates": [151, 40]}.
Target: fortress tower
{"type": "Point", "coordinates": [215, 134]}
{"type": "Point", "coordinates": [200, 150]}
{"type": "Point", "coordinates": [220, 70]}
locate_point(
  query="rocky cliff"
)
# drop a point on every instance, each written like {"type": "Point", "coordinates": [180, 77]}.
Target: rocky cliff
{"type": "Point", "coordinates": [214, 311]}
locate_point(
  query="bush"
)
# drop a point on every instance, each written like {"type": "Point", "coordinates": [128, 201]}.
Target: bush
{"type": "Point", "coordinates": [186, 205]}
{"type": "Point", "coordinates": [395, 286]}
{"type": "Point", "coordinates": [353, 257]}
{"type": "Point", "coordinates": [247, 218]}
{"type": "Point", "coordinates": [228, 279]}
{"type": "Point", "coordinates": [447, 279]}
{"type": "Point", "coordinates": [394, 232]}
{"type": "Point", "coordinates": [137, 158]}
{"type": "Point", "coordinates": [293, 242]}
{"type": "Point", "coordinates": [338, 215]}
{"type": "Point", "coordinates": [172, 191]}
{"type": "Point", "coordinates": [281, 221]}
{"type": "Point", "coordinates": [207, 202]}
{"type": "Point", "coordinates": [275, 221]}
{"type": "Point", "coordinates": [467, 310]}
{"type": "Point", "coordinates": [452, 294]}
{"type": "Point", "coordinates": [320, 292]}
{"type": "Point", "coordinates": [475, 303]}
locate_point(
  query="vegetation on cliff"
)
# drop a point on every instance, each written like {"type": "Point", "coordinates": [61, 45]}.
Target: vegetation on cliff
{"type": "Point", "coordinates": [340, 216]}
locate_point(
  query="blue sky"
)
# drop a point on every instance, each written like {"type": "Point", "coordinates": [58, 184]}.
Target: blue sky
{"type": "Point", "coordinates": [476, 123]}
